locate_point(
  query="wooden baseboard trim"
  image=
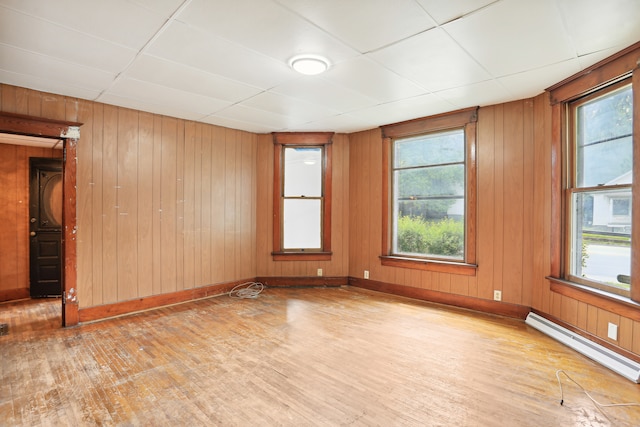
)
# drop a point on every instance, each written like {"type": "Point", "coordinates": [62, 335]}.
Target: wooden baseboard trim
{"type": "Point", "coordinates": [311, 281]}
{"type": "Point", "coordinates": [14, 294]}
{"type": "Point", "coordinates": [588, 335]}
{"type": "Point", "coordinates": [471, 303]}
{"type": "Point", "coordinates": [101, 312]}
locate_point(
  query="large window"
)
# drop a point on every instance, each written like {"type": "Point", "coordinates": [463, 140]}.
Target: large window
{"type": "Point", "coordinates": [428, 195]}
{"type": "Point", "coordinates": [430, 215]}
{"type": "Point", "coordinates": [595, 201]}
{"type": "Point", "coordinates": [599, 189]}
{"type": "Point", "coordinates": [302, 196]}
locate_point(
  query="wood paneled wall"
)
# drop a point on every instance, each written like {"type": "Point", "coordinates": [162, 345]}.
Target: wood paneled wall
{"type": "Point", "coordinates": [164, 204]}
{"type": "Point", "coordinates": [338, 266]}
{"type": "Point", "coordinates": [514, 224]}
{"type": "Point", "coordinates": [14, 217]}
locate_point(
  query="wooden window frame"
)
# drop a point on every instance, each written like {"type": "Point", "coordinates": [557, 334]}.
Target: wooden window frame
{"type": "Point", "coordinates": [618, 67]}
{"type": "Point", "coordinates": [467, 119]}
{"type": "Point", "coordinates": [298, 139]}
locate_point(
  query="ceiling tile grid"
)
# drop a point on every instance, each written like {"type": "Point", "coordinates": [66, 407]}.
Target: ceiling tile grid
{"type": "Point", "coordinates": [226, 62]}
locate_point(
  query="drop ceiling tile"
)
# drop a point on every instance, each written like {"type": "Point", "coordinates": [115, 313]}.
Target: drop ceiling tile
{"type": "Point", "coordinates": [511, 36]}
{"type": "Point", "coordinates": [163, 7]}
{"type": "Point", "coordinates": [433, 60]}
{"type": "Point", "coordinates": [372, 80]}
{"type": "Point", "coordinates": [478, 94]}
{"type": "Point", "coordinates": [47, 85]}
{"type": "Point", "coordinates": [590, 59]}
{"type": "Point", "coordinates": [365, 24]}
{"type": "Point", "coordinates": [142, 105]}
{"type": "Point", "coordinates": [62, 43]}
{"type": "Point", "coordinates": [195, 48]}
{"type": "Point", "coordinates": [259, 117]}
{"type": "Point", "coordinates": [249, 126]}
{"type": "Point", "coordinates": [616, 21]}
{"type": "Point", "coordinates": [34, 65]}
{"type": "Point", "coordinates": [533, 82]}
{"type": "Point", "coordinates": [269, 29]}
{"type": "Point", "coordinates": [324, 93]}
{"type": "Point", "coordinates": [445, 11]}
{"type": "Point", "coordinates": [288, 106]}
{"type": "Point", "coordinates": [153, 94]}
{"type": "Point", "coordinates": [118, 21]}
{"type": "Point", "coordinates": [188, 79]}
{"type": "Point", "coordinates": [341, 123]}
{"type": "Point", "coordinates": [405, 109]}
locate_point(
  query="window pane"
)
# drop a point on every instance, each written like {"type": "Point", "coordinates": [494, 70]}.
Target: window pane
{"type": "Point", "coordinates": [441, 236]}
{"type": "Point", "coordinates": [429, 195]}
{"type": "Point", "coordinates": [431, 149]}
{"type": "Point", "coordinates": [303, 171]}
{"type": "Point", "coordinates": [302, 224]}
{"type": "Point", "coordinates": [604, 140]}
{"type": "Point", "coordinates": [601, 238]}
{"type": "Point", "coordinates": [430, 181]}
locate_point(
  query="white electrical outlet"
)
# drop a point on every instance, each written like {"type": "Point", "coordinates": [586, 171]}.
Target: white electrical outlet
{"type": "Point", "coordinates": [319, 272]}
{"type": "Point", "coordinates": [366, 274]}
{"type": "Point", "coordinates": [497, 295]}
{"type": "Point", "coordinates": [612, 331]}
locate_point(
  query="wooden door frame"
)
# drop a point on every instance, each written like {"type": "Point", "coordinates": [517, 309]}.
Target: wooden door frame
{"type": "Point", "coordinates": [69, 133]}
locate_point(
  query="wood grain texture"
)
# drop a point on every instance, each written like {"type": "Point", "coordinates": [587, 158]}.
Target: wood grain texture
{"type": "Point", "coordinates": [216, 225]}
{"type": "Point", "coordinates": [294, 357]}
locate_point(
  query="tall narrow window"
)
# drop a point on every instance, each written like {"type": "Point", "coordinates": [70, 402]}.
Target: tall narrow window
{"type": "Point", "coordinates": [430, 182]}
{"type": "Point", "coordinates": [599, 189]}
{"type": "Point", "coordinates": [302, 196]}
{"type": "Point", "coordinates": [595, 203]}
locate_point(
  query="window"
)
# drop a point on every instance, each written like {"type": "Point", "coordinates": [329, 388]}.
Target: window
{"type": "Point", "coordinates": [429, 218]}
{"type": "Point", "coordinates": [599, 189]}
{"type": "Point", "coordinates": [595, 191]}
{"type": "Point", "coordinates": [302, 196]}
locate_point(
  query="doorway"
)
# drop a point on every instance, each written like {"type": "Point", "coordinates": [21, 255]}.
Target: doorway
{"type": "Point", "coordinates": [45, 227]}
{"type": "Point", "coordinates": [69, 134]}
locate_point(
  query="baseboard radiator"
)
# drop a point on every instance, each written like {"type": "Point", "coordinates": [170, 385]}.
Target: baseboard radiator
{"type": "Point", "coordinates": [606, 357]}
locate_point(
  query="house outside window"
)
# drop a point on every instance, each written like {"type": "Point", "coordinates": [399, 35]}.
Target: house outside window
{"type": "Point", "coordinates": [429, 212]}
{"type": "Point", "coordinates": [599, 189]}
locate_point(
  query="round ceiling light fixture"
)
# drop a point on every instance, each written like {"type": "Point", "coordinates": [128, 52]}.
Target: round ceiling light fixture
{"type": "Point", "coordinates": [309, 64]}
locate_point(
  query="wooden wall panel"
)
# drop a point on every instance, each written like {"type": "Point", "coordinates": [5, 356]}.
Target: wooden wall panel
{"type": "Point", "coordinates": [197, 209]}
{"type": "Point", "coordinates": [141, 187]}
{"type": "Point", "coordinates": [486, 195]}
{"type": "Point", "coordinates": [127, 204]}
{"type": "Point", "coordinates": [144, 236]}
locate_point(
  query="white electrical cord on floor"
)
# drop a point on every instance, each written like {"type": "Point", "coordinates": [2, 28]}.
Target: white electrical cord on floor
{"type": "Point", "coordinates": [598, 404]}
{"type": "Point", "coordinates": [246, 290]}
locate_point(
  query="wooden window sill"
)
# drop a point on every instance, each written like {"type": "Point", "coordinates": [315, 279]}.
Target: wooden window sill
{"type": "Point", "coordinates": [618, 304]}
{"type": "Point", "coordinates": [430, 265]}
{"type": "Point", "coordinates": [301, 256]}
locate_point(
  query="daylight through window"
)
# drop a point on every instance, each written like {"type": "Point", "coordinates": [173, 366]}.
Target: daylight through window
{"type": "Point", "coordinates": [600, 194]}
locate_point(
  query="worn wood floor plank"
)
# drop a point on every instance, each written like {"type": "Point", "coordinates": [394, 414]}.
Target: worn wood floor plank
{"type": "Point", "coordinates": [296, 357]}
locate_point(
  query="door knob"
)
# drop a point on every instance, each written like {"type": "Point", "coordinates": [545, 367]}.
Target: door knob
{"type": "Point", "coordinates": [33, 220]}
{"type": "Point", "coordinates": [33, 233]}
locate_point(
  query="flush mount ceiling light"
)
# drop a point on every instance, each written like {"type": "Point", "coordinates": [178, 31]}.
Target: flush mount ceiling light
{"type": "Point", "coordinates": [309, 64]}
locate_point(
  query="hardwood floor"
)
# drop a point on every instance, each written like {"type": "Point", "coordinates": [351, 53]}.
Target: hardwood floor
{"type": "Point", "coordinates": [297, 357]}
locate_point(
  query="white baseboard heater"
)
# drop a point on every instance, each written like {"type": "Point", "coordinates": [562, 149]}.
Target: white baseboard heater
{"type": "Point", "coordinates": [609, 358]}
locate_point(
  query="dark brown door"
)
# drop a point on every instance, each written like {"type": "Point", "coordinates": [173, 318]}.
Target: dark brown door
{"type": "Point", "coordinates": [45, 230]}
